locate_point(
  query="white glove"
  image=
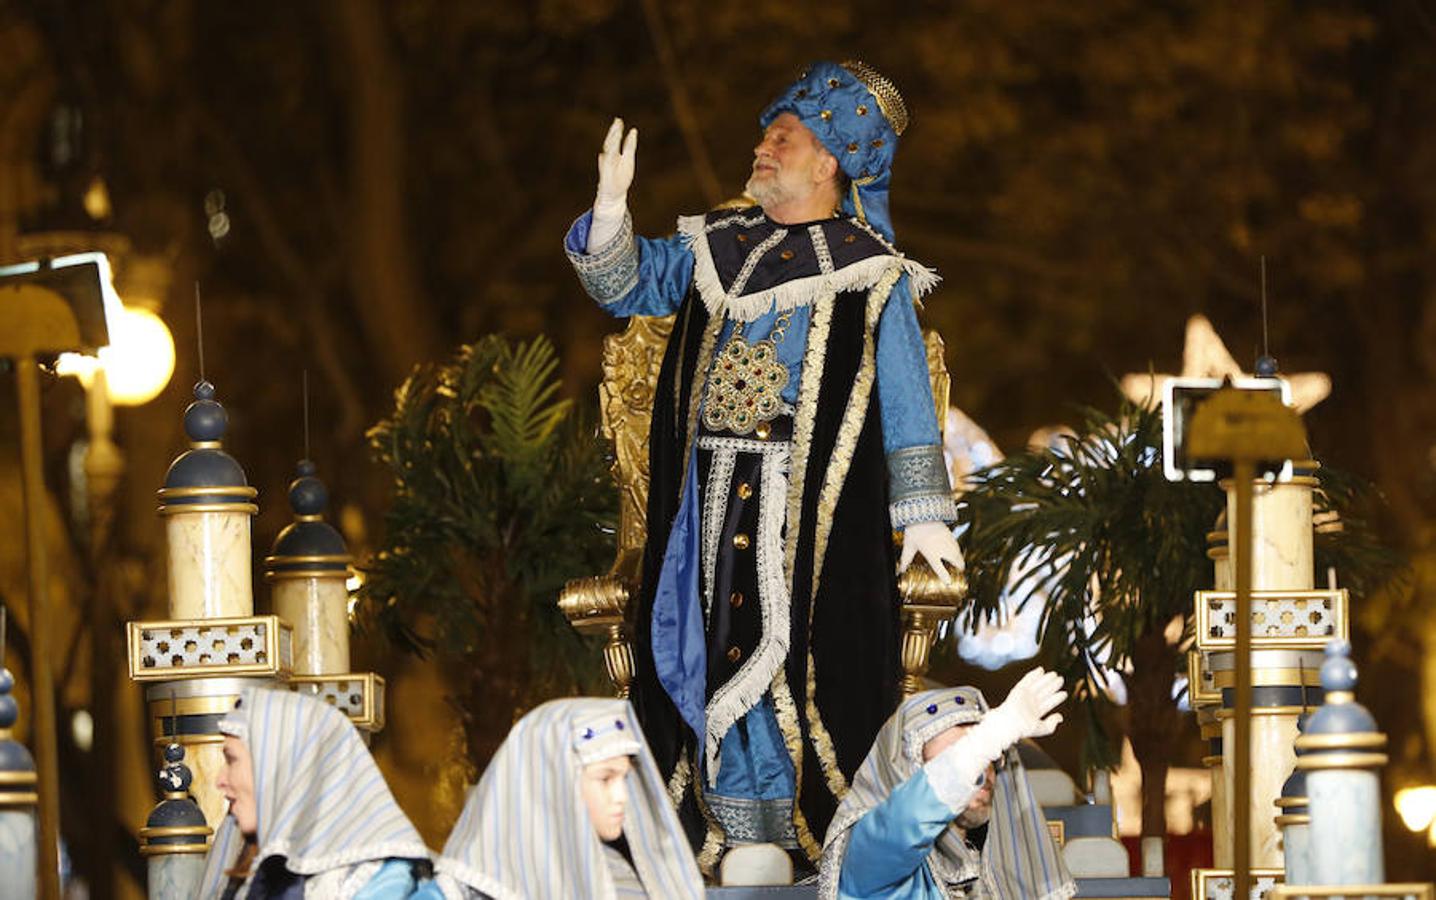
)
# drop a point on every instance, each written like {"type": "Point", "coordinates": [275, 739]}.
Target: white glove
{"type": "Point", "coordinates": [615, 175]}
{"type": "Point", "coordinates": [954, 772]}
{"type": "Point", "coordinates": [935, 542]}
{"type": "Point", "coordinates": [1024, 714]}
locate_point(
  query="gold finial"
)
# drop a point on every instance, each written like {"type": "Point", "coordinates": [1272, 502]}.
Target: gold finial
{"type": "Point", "coordinates": [890, 102]}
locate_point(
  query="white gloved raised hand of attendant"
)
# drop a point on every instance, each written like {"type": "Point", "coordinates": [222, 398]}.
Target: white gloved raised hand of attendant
{"type": "Point", "coordinates": [615, 176]}
{"type": "Point", "coordinates": [1026, 713]}
{"type": "Point", "coordinates": [935, 542]}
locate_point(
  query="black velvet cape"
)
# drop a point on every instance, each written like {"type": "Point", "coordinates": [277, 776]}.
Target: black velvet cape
{"type": "Point", "coordinates": [843, 662]}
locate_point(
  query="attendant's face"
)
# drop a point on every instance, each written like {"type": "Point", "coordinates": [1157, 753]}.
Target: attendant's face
{"type": "Point", "coordinates": [789, 164]}
{"type": "Point", "coordinates": [979, 808]}
{"type": "Point", "coordinates": [236, 783]}
{"type": "Point", "coordinates": [605, 793]}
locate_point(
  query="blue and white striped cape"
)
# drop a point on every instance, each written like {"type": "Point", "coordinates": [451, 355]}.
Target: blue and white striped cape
{"type": "Point", "coordinates": [321, 800]}
{"type": "Point", "coordinates": [525, 833]}
{"type": "Point", "coordinates": [1019, 860]}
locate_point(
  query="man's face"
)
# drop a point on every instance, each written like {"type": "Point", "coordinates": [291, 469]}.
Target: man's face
{"type": "Point", "coordinates": [605, 793]}
{"type": "Point", "coordinates": [979, 808]}
{"type": "Point", "coordinates": [236, 783]}
{"type": "Point", "coordinates": [788, 164]}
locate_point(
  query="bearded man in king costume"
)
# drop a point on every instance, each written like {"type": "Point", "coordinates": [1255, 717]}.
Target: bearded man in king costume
{"type": "Point", "coordinates": [793, 432]}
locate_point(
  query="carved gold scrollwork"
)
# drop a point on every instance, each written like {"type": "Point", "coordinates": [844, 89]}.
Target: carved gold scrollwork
{"type": "Point", "coordinates": [597, 605]}
{"type": "Point", "coordinates": [926, 603]}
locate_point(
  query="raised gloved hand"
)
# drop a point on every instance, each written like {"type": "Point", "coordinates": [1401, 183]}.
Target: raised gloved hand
{"type": "Point", "coordinates": [1027, 712]}
{"type": "Point", "coordinates": [935, 542]}
{"type": "Point", "coordinates": [615, 176]}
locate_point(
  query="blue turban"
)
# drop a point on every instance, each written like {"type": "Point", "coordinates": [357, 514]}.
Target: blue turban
{"type": "Point", "coordinates": [857, 115]}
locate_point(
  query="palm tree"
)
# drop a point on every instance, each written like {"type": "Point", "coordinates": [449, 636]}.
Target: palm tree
{"type": "Point", "coordinates": [1117, 551]}
{"type": "Point", "coordinates": [501, 493]}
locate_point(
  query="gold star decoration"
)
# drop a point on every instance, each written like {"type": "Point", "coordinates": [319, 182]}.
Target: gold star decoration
{"type": "Point", "coordinates": [1206, 356]}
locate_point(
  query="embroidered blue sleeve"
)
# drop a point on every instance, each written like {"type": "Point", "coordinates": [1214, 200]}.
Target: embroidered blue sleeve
{"type": "Point", "coordinates": [889, 845]}
{"type": "Point", "coordinates": [917, 473]}
{"type": "Point", "coordinates": [631, 276]}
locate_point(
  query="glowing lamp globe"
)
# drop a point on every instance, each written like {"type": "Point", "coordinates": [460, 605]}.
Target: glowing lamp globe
{"type": "Point", "coordinates": [138, 362]}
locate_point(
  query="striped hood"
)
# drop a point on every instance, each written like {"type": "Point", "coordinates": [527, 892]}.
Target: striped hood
{"type": "Point", "coordinates": [525, 833]}
{"type": "Point", "coordinates": [322, 802]}
{"type": "Point", "coordinates": [1018, 861]}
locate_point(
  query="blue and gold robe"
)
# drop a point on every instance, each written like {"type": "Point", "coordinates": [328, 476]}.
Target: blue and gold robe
{"type": "Point", "coordinates": [767, 626]}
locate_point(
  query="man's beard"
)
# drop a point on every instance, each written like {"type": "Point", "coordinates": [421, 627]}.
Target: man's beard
{"type": "Point", "coordinates": [973, 818]}
{"type": "Point", "coordinates": [767, 189]}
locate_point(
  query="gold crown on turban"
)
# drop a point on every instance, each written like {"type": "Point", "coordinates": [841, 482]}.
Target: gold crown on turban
{"type": "Point", "coordinates": [890, 102]}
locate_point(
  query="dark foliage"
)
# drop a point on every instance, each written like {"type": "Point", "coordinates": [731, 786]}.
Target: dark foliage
{"type": "Point", "coordinates": [500, 495]}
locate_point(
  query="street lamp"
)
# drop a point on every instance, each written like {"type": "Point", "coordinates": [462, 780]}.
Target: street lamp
{"type": "Point", "coordinates": [1417, 808]}
{"type": "Point", "coordinates": [47, 308]}
{"type": "Point", "coordinates": [138, 362]}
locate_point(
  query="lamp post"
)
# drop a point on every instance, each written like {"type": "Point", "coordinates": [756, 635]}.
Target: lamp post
{"type": "Point", "coordinates": [1247, 428]}
{"type": "Point", "coordinates": [34, 321]}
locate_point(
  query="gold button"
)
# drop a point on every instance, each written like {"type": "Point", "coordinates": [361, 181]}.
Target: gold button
{"type": "Point", "coordinates": [862, 109]}
{"type": "Point", "coordinates": [736, 600]}
{"type": "Point", "coordinates": [850, 239]}
{"type": "Point", "coordinates": [878, 142]}
{"type": "Point", "coordinates": [762, 431]}
{"type": "Point", "coordinates": [827, 115]}
{"type": "Point", "coordinates": [786, 254]}
{"type": "Point", "coordinates": [740, 540]}
{"type": "Point", "coordinates": [734, 654]}
{"type": "Point", "coordinates": [742, 238]}
{"type": "Point", "coordinates": [853, 147]}
{"type": "Point", "coordinates": [745, 490]}
{"type": "Point", "coordinates": [832, 82]}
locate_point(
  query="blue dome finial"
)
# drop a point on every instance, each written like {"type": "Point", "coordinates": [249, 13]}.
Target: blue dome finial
{"type": "Point", "coordinates": [205, 474]}
{"type": "Point", "coordinates": [1338, 672]}
{"type": "Point", "coordinates": [307, 494]}
{"type": "Point", "coordinates": [1340, 713]}
{"type": "Point", "coordinates": [9, 708]}
{"type": "Point", "coordinates": [174, 777]}
{"type": "Point", "coordinates": [17, 766]}
{"type": "Point", "coordinates": [205, 419]}
{"type": "Point", "coordinates": [308, 546]}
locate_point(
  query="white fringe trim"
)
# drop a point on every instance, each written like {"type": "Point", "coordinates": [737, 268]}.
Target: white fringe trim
{"type": "Point", "coordinates": [747, 686]}
{"type": "Point", "coordinates": [858, 276]}
{"type": "Point", "coordinates": [715, 512]}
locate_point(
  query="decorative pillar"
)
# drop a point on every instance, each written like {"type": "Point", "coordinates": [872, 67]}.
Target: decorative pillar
{"type": "Point", "coordinates": [1206, 699]}
{"type": "Point", "coordinates": [207, 505]}
{"type": "Point", "coordinates": [175, 837]}
{"type": "Point", "coordinates": [1294, 820]}
{"type": "Point", "coordinates": [1342, 755]}
{"type": "Point", "coordinates": [18, 798]}
{"type": "Point", "coordinates": [308, 570]}
{"type": "Point", "coordinates": [212, 645]}
{"type": "Point", "coordinates": [1290, 625]}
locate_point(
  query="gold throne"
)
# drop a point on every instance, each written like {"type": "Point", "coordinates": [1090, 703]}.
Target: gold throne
{"type": "Point", "coordinates": [598, 604]}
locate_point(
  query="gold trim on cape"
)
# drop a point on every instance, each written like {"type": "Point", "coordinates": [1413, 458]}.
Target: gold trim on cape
{"type": "Point", "coordinates": [849, 430]}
